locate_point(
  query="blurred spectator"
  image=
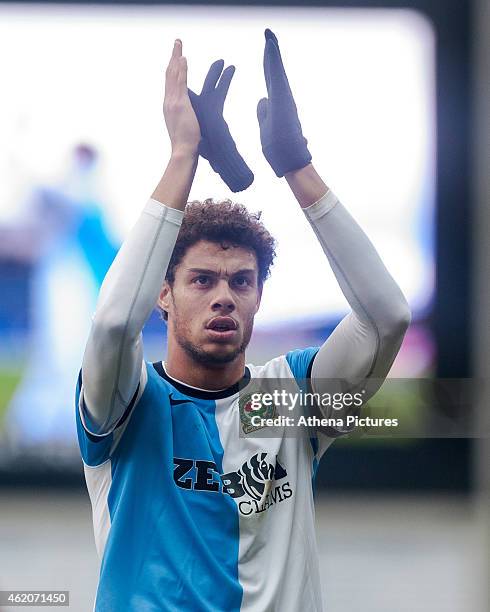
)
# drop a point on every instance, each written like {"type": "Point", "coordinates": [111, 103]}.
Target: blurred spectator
{"type": "Point", "coordinates": [61, 226]}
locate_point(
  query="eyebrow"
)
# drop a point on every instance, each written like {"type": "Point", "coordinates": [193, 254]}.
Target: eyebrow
{"type": "Point", "coordinates": [214, 273]}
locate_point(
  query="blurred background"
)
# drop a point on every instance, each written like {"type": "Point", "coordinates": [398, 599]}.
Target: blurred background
{"type": "Point", "coordinates": [394, 100]}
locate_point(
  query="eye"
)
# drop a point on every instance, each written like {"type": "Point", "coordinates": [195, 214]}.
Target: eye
{"type": "Point", "coordinates": [241, 281]}
{"type": "Point", "coordinates": [202, 280]}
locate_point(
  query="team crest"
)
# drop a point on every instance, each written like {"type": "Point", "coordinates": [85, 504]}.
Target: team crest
{"type": "Point", "coordinates": [247, 412]}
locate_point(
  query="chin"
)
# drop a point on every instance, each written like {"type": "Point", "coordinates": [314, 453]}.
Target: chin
{"type": "Point", "coordinates": [212, 353]}
{"type": "Point", "coordinates": [217, 357]}
{"type": "Point", "coordinates": [222, 353]}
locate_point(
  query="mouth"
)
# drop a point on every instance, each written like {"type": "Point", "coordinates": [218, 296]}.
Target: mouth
{"type": "Point", "coordinates": [222, 328]}
{"type": "Point", "coordinates": [221, 335]}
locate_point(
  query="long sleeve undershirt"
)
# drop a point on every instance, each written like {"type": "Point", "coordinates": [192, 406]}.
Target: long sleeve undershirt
{"type": "Point", "coordinates": [360, 351]}
{"type": "Point", "coordinates": [113, 357]}
{"type": "Point", "coordinates": [362, 346]}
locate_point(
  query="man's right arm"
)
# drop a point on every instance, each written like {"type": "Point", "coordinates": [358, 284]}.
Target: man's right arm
{"type": "Point", "coordinates": [113, 358]}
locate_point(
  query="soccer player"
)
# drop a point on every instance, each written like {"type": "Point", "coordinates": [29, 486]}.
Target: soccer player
{"type": "Point", "coordinates": [192, 513]}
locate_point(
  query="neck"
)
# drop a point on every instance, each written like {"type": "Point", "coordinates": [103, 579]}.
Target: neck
{"type": "Point", "coordinates": [182, 366]}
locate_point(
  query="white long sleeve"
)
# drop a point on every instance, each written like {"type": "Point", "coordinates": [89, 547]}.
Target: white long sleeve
{"type": "Point", "coordinates": [365, 343]}
{"type": "Point", "coordinates": [113, 358]}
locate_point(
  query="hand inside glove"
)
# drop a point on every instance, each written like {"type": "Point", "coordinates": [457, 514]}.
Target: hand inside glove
{"type": "Point", "coordinates": [283, 143]}
{"type": "Point", "coordinates": [217, 145]}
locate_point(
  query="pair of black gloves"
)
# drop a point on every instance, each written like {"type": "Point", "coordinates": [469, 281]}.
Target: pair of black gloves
{"type": "Point", "coordinates": [283, 143]}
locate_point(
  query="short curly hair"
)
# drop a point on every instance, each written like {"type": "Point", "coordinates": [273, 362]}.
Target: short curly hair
{"type": "Point", "coordinates": [223, 222]}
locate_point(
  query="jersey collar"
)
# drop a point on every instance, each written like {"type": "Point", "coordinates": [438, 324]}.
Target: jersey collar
{"type": "Point", "coordinates": [202, 393]}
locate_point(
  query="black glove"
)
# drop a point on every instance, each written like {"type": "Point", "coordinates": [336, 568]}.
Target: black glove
{"type": "Point", "coordinates": [283, 143]}
{"type": "Point", "coordinates": [217, 145]}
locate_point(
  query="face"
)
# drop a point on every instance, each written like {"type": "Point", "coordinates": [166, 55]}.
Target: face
{"type": "Point", "coordinates": [212, 302]}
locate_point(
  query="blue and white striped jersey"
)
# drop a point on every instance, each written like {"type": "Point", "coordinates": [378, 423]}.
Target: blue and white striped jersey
{"type": "Point", "coordinates": [189, 515]}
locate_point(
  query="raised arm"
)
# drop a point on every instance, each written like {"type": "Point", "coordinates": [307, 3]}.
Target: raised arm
{"type": "Point", "coordinates": [365, 343]}
{"type": "Point", "coordinates": [113, 360]}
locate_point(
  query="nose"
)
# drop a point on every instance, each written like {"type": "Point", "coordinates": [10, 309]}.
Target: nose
{"type": "Point", "coordinates": [223, 299]}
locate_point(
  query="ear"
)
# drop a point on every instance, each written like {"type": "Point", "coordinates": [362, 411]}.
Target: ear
{"type": "Point", "coordinates": [165, 296]}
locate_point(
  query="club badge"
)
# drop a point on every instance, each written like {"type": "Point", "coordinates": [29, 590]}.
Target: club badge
{"type": "Point", "coordinates": [247, 412]}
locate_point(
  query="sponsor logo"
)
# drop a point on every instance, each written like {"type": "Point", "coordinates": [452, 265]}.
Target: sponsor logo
{"type": "Point", "coordinates": [258, 484]}
{"type": "Point", "coordinates": [253, 485]}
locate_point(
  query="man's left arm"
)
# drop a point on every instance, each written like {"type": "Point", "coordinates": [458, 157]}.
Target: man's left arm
{"type": "Point", "coordinates": [365, 343]}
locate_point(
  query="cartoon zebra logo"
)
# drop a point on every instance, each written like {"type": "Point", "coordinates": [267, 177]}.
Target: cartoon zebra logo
{"type": "Point", "coordinates": [255, 477]}
{"type": "Point", "coordinates": [256, 473]}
